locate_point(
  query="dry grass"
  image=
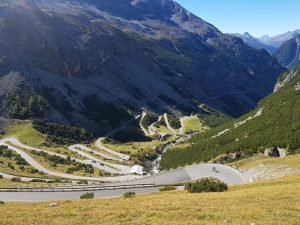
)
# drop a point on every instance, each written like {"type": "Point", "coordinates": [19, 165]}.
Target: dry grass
{"type": "Point", "coordinates": [292, 161]}
{"type": "Point", "coordinates": [265, 203]}
{"type": "Point", "coordinates": [7, 183]}
{"type": "Point", "coordinates": [134, 147]}
{"type": "Point", "coordinates": [18, 170]}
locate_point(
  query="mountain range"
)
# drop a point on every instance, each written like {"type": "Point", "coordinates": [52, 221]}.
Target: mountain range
{"type": "Point", "coordinates": [256, 43]}
{"type": "Point", "coordinates": [94, 64]}
{"type": "Point", "coordinates": [277, 40]}
{"type": "Point", "coordinates": [285, 47]}
{"type": "Point", "coordinates": [267, 42]}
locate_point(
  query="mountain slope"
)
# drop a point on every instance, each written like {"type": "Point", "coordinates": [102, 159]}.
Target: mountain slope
{"type": "Point", "coordinates": [87, 62]}
{"type": "Point", "coordinates": [256, 43]}
{"type": "Point", "coordinates": [274, 124]}
{"type": "Point", "coordinates": [277, 40]}
{"type": "Point", "coordinates": [288, 54]}
{"type": "Point", "coordinates": [247, 204]}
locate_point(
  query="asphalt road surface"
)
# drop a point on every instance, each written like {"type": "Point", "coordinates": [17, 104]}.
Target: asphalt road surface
{"type": "Point", "coordinates": [193, 172]}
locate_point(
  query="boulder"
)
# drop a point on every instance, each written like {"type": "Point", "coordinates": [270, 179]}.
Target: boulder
{"type": "Point", "coordinates": [53, 205]}
{"type": "Point", "coordinates": [272, 152]}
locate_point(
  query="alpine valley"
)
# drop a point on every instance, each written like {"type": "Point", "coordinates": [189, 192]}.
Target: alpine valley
{"type": "Point", "coordinates": [93, 63]}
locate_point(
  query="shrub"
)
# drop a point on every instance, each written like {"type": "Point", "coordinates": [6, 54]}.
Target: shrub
{"type": "Point", "coordinates": [174, 122]}
{"type": "Point", "coordinates": [37, 180]}
{"type": "Point", "coordinates": [61, 134]}
{"type": "Point", "coordinates": [10, 166]}
{"type": "Point", "coordinates": [34, 170]}
{"type": "Point", "coordinates": [1, 176]}
{"type": "Point", "coordinates": [50, 181]}
{"type": "Point", "coordinates": [82, 182]}
{"type": "Point", "coordinates": [167, 188]}
{"type": "Point", "coordinates": [16, 179]}
{"type": "Point", "coordinates": [5, 152]}
{"type": "Point", "coordinates": [87, 196]}
{"type": "Point", "coordinates": [149, 118]}
{"type": "Point", "coordinates": [206, 185]}
{"type": "Point", "coordinates": [2, 203]}
{"type": "Point", "coordinates": [21, 161]}
{"type": "Point", "coordinates": [21, 167]}
{"type": "Point", "coordinates": [129, 195]}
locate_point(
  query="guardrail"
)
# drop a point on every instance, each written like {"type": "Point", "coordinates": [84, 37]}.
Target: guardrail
{"type": "Point", "coordinates": [77, 189]}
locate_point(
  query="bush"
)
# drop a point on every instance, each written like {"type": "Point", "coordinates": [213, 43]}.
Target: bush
{"type": "Point", "coordinates": [167, 188]}
{"type": "Point", "coordinates": [2, 203]}
{"type": "Point", "coordinates": [16, 179]}
{"type": "Point", "coordinates": [34, 170]}
{"type": "Point", "coordinates": [37, 180]}
{"type": "Point", "coordinates": [5, 152]}
{"type": "Point", "coordinates": [174, 122]}
{"type": "Point", "coordinates": [83, 182]}
{"type": "Point", "coordinates": [61, 134]}
{"type": "Point", "coordinates": [21, 167]}
{"type": "Point", "coordinates": [1, 176]}
{"type": "Point", "coordinates": [21, 161]}
{"type": "Point", "coordinates": [129, 195]}
{"type": "Point", "coordinates": [206, 185]}
{"type": "Point", "coordinates": [50, 181]}
{"type": "Point", "coordinates": [149, 118]}
{"type": "Point", "coordinates": [87, 196]}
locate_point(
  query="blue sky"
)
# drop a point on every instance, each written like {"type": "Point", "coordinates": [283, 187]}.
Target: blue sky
{"type": "Point", "coordinates": [258, 17]}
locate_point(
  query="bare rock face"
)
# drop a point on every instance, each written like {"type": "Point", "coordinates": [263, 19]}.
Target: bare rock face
{"type": "Point", "coordinates": [225, 158]}
{"type": "Point", "coordinates": [95, 60]}
{"type": "Point", "coordinates": [284, 79]}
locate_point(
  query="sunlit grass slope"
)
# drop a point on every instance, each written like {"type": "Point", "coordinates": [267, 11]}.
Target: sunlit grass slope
{"type": "Point", "coordinates": [266, 203]}
{"type": "Point", "coordinates": [24, 131]}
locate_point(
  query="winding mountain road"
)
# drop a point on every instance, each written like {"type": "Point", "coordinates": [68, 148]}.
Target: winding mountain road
{"type": "Point", "coordinates": [181, 175]}
{"type": "Point", "coordinates": [145, 131]}
{"type": "Point", "coordinates": [168, 124]}
{"type": "Point", "coordinates": [41, 168]}
{"type": "Point", "coordinates": [148, 184]}
{"type": "Point", "coordinates": [182, 119]}
{"type": "Point", "coordinates": [114, 168]}
{"type": "Point", "coordinates": [100, 145]}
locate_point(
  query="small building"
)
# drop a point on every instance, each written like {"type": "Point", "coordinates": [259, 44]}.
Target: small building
{"type": "Point", "coordinates": [136, 169]}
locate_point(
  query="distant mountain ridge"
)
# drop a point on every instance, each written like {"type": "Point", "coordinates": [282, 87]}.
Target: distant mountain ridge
{"type": "Point", "coordinates": [255, 42]}
{"type": "Point", "coordinates": [277, 40]}
{"type": "Point", "coordinates": [93, 63]}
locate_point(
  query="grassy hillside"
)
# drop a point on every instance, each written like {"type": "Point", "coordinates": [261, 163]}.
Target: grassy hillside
{"type": "Point", "coordinates": [24, 131]}
{"type": "Point", "coordinates": [291, 161]}
{"type": "Point", "coordinates": [259, 203]}
{"type": "Point", "coordinates": [194, 124]}
{"type": "Point", "coordinates": [278, 125]}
